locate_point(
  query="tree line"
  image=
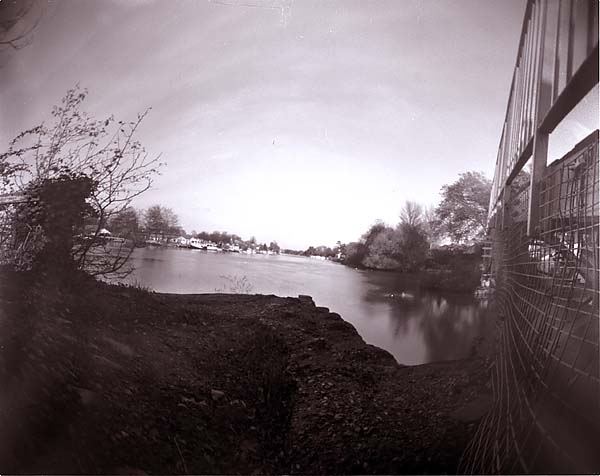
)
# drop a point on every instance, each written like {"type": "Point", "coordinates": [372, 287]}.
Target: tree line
{"type": "Point", "coordinates": [163, 223]}
{"type": "Point", "coordinates": [82, 174]}
{"type": "Point", "coordinates": [459, 219]}
{"type": "Point", "coordinates": [156, 220]}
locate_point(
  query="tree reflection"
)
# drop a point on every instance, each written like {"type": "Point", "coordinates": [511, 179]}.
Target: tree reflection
{"type": "Point", "coordinates": [447, 326]}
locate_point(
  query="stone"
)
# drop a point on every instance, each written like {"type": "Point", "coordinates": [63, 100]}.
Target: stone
{"type": "Point", "coordinates": [217, 394]}
{"type": "Point", "coordinates": [119, 346]}
{"type": "Point", "coordinates": [306, 299]}
{"type": "Point", "coordinates": [86, 396]}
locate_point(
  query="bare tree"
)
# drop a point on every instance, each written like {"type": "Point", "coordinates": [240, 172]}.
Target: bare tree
{"type": "Point", "coordinates": [431, 224]}
{"type": "Point", "coordinates": [171, 220]}
{"type": "Point", "coordinates": [107, 152]}
{"type": "Point", "coordinates": [162, 221]}
{"type": "Point", "coordinates": [411, 213]}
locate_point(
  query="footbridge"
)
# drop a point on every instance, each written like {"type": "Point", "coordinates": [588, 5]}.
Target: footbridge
{"type": "Point", "coordinates": [543, 229]}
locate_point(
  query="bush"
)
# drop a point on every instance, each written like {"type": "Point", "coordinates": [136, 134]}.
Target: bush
{"type": "Point", "coordinates": [453, 270]}
{"type": "Point", "coordinates": [355, 254]}
{"type": "Point", "coordinates": [55, 209]}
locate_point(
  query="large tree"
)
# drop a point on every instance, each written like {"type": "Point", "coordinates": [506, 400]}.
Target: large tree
{"type": "Point", "coordinates": [161, 221]}
{"type": "Point", "coordinates": [412, 246]}
{"type": "Point", "coordinates": [464, 207]}
{"type": "Point", "coordinates": [105, 151]}
{"type": "Point", "coordinates": [125, 224]}
{"type": "Point", "coordinates": [375, 229]}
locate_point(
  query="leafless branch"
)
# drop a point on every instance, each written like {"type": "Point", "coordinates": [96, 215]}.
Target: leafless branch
{"type": "Point", "coordinates": [106, 151]}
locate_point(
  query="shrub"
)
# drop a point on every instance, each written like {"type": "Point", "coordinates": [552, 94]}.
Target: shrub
{"type": "Point", "coordinates": [452, 270]}
{"type": "Point", "coordinates": [54, 211]}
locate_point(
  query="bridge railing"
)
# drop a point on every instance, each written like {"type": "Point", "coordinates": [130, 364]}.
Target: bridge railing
{"type": "Point", "coordinates": [557, 65]}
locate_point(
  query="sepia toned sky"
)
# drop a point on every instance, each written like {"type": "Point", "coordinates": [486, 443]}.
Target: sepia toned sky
{"type": "Point", "coordinates": [299, 121]}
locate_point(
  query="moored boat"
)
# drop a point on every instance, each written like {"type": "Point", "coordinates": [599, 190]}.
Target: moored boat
{"type": "Point", "coordinates": [203, 245]}
{"type": "Point", "coordinates": [196, 243]}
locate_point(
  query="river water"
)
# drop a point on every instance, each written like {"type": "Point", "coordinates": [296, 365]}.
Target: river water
{"type": "Point", "coordinates": [414, 326]}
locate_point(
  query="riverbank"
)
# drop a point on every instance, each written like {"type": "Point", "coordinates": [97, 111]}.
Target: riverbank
{"type": "Point", "coordinates": [447, 269]}
{"type": "Point", "coordinates": [108, 379]}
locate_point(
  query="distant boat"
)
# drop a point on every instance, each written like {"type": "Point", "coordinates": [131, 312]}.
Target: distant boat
{"type": "Point", "coordinates": [196, 243]}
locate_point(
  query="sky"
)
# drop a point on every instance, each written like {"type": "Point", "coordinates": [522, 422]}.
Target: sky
{"type": "Point", "coordinates": [296, 121]}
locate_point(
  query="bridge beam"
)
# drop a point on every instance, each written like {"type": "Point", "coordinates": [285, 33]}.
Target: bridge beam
{"type": "Point", "coordinates": [545, 76]}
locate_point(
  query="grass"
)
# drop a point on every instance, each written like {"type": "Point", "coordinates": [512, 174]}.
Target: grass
{"type": "Point", "coordinates": [235, 285]}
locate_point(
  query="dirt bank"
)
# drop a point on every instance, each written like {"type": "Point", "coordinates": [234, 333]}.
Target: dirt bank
{"type": "Point", "coordinates": [106, 379]}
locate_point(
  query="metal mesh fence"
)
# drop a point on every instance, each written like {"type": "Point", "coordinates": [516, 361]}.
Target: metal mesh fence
{"type": "Point", "coordinates": [546, 375]}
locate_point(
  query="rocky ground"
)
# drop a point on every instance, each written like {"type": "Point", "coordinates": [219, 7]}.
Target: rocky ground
{"type": "Point", "coordinates": [105, 379]}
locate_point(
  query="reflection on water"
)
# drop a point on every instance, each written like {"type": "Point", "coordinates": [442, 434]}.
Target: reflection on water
{"type": "Point", "coordinates": [387, 310]}
{"type": "Point", "coordinates": [418, 327]}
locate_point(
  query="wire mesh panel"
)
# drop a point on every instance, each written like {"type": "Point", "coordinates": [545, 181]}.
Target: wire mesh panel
{"type": "Point", "coordinates": [546, 376]}
{"type": "Point", "coordinates": [545, 258]}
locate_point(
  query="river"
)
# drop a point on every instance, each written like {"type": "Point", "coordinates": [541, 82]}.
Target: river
{"type": "Point", "coordinates": [415, 326]}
